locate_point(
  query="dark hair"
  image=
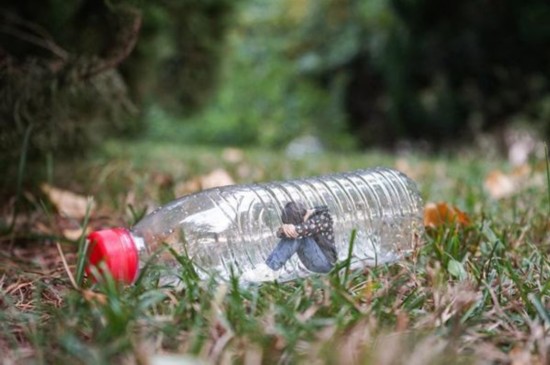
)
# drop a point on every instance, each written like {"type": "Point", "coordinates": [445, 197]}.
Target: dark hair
{"type": "Point", "coordinates": [293, 213]}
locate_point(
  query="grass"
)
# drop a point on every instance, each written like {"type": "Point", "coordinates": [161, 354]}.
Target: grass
{"type": "Point", "coordinates": [475, 294]}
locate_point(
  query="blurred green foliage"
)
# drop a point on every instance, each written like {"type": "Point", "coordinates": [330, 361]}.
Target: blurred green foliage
{"type": "Point", "coordinates": [446, 70]}
{"type": "Point", "coordinates": [265, 97]}
{"type": "Point", "coordinates": [176, 61]}
{"type": "Point", "coordinates": [66, 79]}
{"type": "Point", "coordinates": [259, 72]}
{"type": "Point", "coordinates": [377, 72]}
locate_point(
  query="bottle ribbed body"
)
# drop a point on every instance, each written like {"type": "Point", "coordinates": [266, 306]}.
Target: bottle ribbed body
{"type": "Point", "coordinates": [236, 227]}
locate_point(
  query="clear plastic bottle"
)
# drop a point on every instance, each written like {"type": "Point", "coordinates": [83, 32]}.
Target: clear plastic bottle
{"type": "Point", "coordinates": [245, 227]}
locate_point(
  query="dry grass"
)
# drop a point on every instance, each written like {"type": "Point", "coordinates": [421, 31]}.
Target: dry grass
{"type": "Point", "coordinates": [473, 294]}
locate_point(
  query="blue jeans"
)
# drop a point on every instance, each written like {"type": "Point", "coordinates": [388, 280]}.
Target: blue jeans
{"type": "Point", "coordinates": [308, 251]}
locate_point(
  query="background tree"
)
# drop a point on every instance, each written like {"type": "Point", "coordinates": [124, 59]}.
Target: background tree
{"type": "Point", "coordinates": [67, 81]}
{"type": "Point", "coordinates": [263, 72]}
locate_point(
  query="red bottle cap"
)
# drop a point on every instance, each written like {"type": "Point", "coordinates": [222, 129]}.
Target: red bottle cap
{"type": "Point", "coordinates": [116, 248]}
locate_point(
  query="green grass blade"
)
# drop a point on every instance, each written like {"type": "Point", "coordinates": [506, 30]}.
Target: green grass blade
{"type": "Point", "coordinates": [541, 310]}
{"type": "Point", "coordinates": [21, 172]}
{"type": "Point", "coordinates": [350, 253]}
{"type": "Point", "coordinates": [82, 247]}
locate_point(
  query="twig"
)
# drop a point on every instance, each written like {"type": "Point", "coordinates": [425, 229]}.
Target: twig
{"type": "Point", "coordinates": [40, 38]}
{"type": "Point", "coordinates": [66, 266]}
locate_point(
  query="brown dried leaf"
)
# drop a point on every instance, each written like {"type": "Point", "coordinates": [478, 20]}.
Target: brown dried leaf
{"type": "Point", "coordinates": [442, 214]}
{"type": "Point", "coordinates": [43, 228]}
{"type": "Point", "coordinates": [405, 167]}
{"type": "Point", "coordinates": [402, 321]}
{"type": "Point", "coordinates": [187, 187]}
{"type": "Point", "coordinates": [218, 177]}
{"type": "Point", "coordinates": [66, 202]}
{"type": "Point", "coordinates": [74, 233]}
{"type": "Point", "coordinates": [94, 297]}
{"type": "Point", "coordinates": [417, 170]}
{"type": "Point", "coordinates": [500, 185]}
{"type": "Point", "coordinates": [233, 155]}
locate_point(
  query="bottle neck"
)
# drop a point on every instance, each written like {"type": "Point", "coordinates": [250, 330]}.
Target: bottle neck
{"type": "Point", "coordinates": [139, 242]}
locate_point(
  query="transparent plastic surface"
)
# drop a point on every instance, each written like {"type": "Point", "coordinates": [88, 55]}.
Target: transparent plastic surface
{"type": "Point", "coordinates": [237, 226]}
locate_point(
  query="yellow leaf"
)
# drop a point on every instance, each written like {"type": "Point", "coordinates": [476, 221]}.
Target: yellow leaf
{"type": "Point", "coordinates": [66, 202]}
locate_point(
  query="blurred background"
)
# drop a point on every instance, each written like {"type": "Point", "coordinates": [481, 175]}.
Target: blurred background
{"type": "Point", "coordinates": [302, 75]}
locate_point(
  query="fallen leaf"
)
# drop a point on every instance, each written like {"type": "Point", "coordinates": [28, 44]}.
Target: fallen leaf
{"type": "Point", "coordinates": [66, 202]}
{"type": "Point", "coordinates": [402, 321]}
{"type": "Point", "coordinates": [500, 185]}
{"type": "Point", "coordinates": [405, 167]}
{"type": "Point", "coordinates": [187, 187]}
{"type": "Point", "coordinates": [42, 228]}
{"type": "Point", "coordinates": [441, 214]}
{"type": "Point", "coordinates": [93, 297]}
{"type": "Point", "coordinates": [216, 178]}
{"type": "Point", "coordinates": [233, 155]}
{"type": "Point", "coordinates": [74, 233]}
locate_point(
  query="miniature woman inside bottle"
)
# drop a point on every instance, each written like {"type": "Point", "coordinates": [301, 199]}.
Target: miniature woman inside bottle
{"type": "Point", "coordinates": [307, 232]}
